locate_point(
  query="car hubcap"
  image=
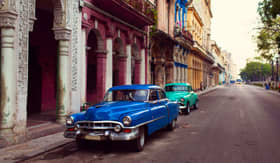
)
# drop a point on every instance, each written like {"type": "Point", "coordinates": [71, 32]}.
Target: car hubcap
{"type": "Point", "coordinates": [142, 139]}
{"type": "Point", "coordinates": [173, 123]}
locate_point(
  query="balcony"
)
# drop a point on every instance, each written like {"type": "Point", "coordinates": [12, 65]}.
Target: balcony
{"type": "Point", "coordinates": [139, 13]}
{"type": "Point", "coordinates": [204, 53]}
{"type": "Point", "coordinates": [188, 36]}
{"type": "Point", "coordinates": [144, 7]}
{"type": "Point", "coordinates": [183, 37]}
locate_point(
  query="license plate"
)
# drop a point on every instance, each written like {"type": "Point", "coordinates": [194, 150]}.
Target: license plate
{"type": "Point", "coordinates": [90, 137]}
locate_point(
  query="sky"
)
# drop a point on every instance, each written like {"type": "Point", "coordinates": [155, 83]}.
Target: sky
{"type": "Point", "coordinates": [233, 27]}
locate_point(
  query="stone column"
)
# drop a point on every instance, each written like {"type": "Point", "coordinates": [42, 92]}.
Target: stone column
{"type": "Point", "coordinates": [128, 64]}
{"type": "Point", "coordinates": [143, 67]}
{"type": "Point", "coordinates": [186, 75]}
{"type": "Point", "coordinates": [84, 67]}
{"type": "Point", "coordinates": [169, 72]}
{"type": "Point", "coordinates": [158, 72]}
{"type": "Point", "coordinates": [183, 74]}
{"type": "Point", "coordinates": [63, 94]}
{"type": "Point", "coordinates": [179, 74]}
{"type": "Point", "coordinates": [101, 74]}
{"type": "Point", "coordinates": [109, 63]}
{"type": "Point", "coordinates": [122, 59]}
{"type": "Point", "coordinates": [8, 76]}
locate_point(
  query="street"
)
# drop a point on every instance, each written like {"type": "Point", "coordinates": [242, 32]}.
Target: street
{"type": "Point", "coordinates": [234, 124]}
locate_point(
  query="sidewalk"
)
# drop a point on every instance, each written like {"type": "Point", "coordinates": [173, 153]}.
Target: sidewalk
{"type": "Point", "coordinates": [275, 92]}
{"type": "Point", "coordinates": [32, 148]}
{"type": "Point", "coordinates": [208, 90]}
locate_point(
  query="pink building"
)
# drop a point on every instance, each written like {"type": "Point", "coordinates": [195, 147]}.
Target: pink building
{"type": "Point", "coordinates": [116, 43]}
{"type": "Point", "coordinates": [58, 54]}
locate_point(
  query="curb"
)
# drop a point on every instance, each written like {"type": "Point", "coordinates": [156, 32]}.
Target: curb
{"type": "Point", "coordinates": [43, 150]}
{"type": "Point", "coordinates": [207, 91]}
{"type": "Point", "coordinates": [33, 148]}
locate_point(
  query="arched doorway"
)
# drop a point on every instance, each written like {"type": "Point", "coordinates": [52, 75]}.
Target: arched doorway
{"type": "Point", "coordinates": [118, 54]}
{"type": "Point", "coordinates": [42, 67]}
{"type": "Point", "coordinates": [92, 72]}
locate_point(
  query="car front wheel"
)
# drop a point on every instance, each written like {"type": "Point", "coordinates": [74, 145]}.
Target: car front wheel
{"type": "Point", "coordinates": [139, 142]}
{"type": "Point", "coordinates": [188, 109]}
{"type": "Point", "coordinates": [196, 105]}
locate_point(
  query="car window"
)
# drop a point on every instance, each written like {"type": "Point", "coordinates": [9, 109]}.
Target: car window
{"type": "Point", "coordinates": [189, 88]}
{"type": "Point", "coordinates": [175, 88]}
{"type": "Point", "coordinates": [161, 94]}
{"type": "Point", "coordinates": [153, 95]}
{"type": "Point", "coordinates": [126, 95]}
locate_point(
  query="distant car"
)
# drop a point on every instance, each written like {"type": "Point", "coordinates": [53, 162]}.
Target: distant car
{"type": "Point", "coordinates": [238, 81]}
{"type": "Point", "coordinates": [128, 113]}
{"type": "Point", "coordinates": [183, 94]}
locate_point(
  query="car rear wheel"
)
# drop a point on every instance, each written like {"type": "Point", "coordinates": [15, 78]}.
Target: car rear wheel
{"type": "Point", "coordinates": [172, 125]}
{"type": "Point", "coordinates": [139, 142]}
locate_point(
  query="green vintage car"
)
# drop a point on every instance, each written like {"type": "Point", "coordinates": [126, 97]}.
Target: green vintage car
{"type": "Point", "coordinates": [183, 94]}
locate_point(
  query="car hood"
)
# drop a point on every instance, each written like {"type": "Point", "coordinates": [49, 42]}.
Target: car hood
{"type": "Point", "coordinates": [176, 95]}
{"type": "Point", "coordinates": [112, 110]}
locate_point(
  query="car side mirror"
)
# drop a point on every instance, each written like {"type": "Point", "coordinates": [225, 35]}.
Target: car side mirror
{"type": "Point", "coordinates": [85, 106]}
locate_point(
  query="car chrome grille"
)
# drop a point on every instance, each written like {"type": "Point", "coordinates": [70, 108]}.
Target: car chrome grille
{"type": "Point", "coordinates": [96, 125]}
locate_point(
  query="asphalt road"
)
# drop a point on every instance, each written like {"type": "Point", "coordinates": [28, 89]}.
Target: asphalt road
{"type": "Point", "coordinates": [237, 124]}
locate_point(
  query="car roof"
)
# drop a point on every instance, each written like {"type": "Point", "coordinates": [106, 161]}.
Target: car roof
{"type": "Point", "coordinates": [184, 84]}
{"type": "Point", "coordinates": [135, 86]}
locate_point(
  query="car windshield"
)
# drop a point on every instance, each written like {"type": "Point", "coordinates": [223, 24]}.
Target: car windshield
{"type": "Point", "coordinates": [126, 95]}
{"type": "Point", "coordinates": [176, 88]}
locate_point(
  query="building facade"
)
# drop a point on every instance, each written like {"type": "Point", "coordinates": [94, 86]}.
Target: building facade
{"type": "Point", "coordinates": [200, 60]}
{"type": "Point", "coordinates": [58, 54]}
{"type": "Point", "coordinates": [170, 43]}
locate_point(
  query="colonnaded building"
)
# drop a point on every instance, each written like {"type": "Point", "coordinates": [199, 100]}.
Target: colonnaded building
{"type": "Point", "coordinates": [58, 54]}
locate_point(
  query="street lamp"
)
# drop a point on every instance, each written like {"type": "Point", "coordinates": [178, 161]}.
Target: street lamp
{"type": "Point", "coordinates": [272, 70]}
{"type": "Point", "coordinates": [277, 69]}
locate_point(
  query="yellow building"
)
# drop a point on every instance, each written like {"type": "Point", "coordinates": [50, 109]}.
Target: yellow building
{"type": "Point", "coordinates": [200, 59]}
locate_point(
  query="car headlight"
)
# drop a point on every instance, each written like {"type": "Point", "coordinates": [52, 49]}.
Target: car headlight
{"type": "Point", "coordinates": [182, 99]}
{"type": "Point", "coordinates": [127, 120]}
{"type": "Point", "coordinates": [117, 128]}
{"type": "Point", "coordinates": [69, 121]}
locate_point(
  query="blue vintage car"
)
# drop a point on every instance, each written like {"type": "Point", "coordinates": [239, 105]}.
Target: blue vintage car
{"type": "Point", "coordinates": [128, 113]}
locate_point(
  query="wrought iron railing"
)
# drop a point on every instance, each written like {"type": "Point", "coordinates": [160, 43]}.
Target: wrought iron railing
{"type": "Point", "coordinates": [143, 6]}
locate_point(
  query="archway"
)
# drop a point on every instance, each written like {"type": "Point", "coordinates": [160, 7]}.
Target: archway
{"type": "Point", "coordinates": [42, 67]}
{"type": "Point", "coordinates": [94, 43]}
{"type": "Point", "coordinates": [118, 53]}
{"type": "Point", "coordinates": [135, 64]}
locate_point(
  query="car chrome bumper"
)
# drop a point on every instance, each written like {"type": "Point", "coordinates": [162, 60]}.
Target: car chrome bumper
{"type": "Point", "coordinates": [181, 105]}
{"type": "Point", "coordinates": [108, 135]}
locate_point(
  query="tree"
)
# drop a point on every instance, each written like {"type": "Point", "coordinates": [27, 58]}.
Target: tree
{"type": "Point", "coordinates": [255, 71]}
{"type": "Point", "coordinates": [268, 37]}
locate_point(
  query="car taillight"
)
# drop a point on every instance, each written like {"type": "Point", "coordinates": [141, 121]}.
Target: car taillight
{"type": "Point", "coordinates": [127, 130]}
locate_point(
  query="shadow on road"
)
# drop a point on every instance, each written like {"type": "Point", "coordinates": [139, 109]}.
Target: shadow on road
{"type": "Point", "coordinates": [100, 149]}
